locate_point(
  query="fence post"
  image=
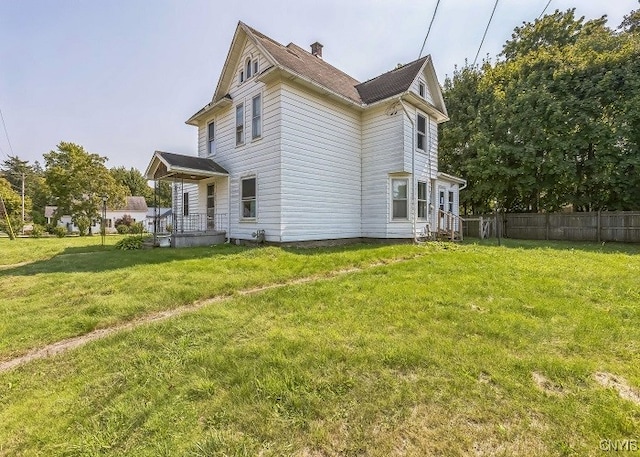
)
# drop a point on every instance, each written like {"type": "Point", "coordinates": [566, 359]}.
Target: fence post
{"type": "Point", "coordinates": [546, 226]}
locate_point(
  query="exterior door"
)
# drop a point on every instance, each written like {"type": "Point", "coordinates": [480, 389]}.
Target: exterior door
{"type": "Point", "coordinates": [211, 211]}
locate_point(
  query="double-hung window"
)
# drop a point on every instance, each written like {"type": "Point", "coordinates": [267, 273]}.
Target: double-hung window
{"type": "Point", "coordinates": [185, 204]}
{"type": "Point", "coordinates": [239, 124]}
{"type": "Point", "coordinates": [399, 198]}
{"type": "Point", "coordinates": [248, 198]}
{"type": "Point", "coordinates": [422, 200]}
{"type": "Point", "coordinates": [450, 202]}
{"type": "Point", "coordinates": [422, 133]}
{"type": "Point", "coordinates": [256, 117]}
{"type": "Point", "coordinates": [211, 132]}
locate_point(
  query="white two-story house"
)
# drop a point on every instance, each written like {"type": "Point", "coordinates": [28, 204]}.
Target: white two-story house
{"type": "Point", "coordinates": [294, 149]}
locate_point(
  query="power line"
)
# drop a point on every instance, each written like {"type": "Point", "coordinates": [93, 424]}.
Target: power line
{"type": "Point", "coordinates": [485, 32]}
{"type": "Point", "coordinates": [429, 29]}
{"type": "Point", "coordinates": [545, 9]}
{"type": "Point", "coordinates": [6, 133]}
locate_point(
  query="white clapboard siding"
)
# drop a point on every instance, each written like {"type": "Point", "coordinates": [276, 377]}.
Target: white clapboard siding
{"type": "Point", "coordinates": [381, 154]}
{"type": "Point", "coordinates": [321, 170]}
{"type": "Point", "coordinates": [255, 157]}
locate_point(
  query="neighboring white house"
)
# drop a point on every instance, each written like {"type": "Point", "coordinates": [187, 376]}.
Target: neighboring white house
{"type": "Point", "coordinates": [136, 207]}
{"type": "Point", "coordinates": [293, 146]}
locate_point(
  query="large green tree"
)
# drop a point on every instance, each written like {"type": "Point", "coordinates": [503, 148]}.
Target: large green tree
{"type": "Point", "coordinates": [553, 122]}
{"type": "Point", "coordinates": [78, 180]}
{"type": "Point", "coordinates": [15, 170]}
{"type": "Point", "coordinates": [10, 208]}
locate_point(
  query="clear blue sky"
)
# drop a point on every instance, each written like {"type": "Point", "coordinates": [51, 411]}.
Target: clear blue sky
{"type": "Point", "coordinates": [120, 77]}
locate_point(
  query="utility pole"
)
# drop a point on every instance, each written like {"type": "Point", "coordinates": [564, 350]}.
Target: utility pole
{"type": "Point", "coordinates": [23, 202]}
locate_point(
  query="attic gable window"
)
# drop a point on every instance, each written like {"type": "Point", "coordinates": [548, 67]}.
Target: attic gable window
{"type": "Point", "coordinates": [248, 67]}
{"type": "Point", "coordinates": [421, 89]}
{"type": "Point", "coordinates": [422, 133]}
{"type": "Point", "coordinates": [241, 76]}
{"type": "Point", "coordinates": [255, 67]}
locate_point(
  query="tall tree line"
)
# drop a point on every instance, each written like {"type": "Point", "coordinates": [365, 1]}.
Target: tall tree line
{"type": "Point", "coordinates": [555, 121]}
{"type": "Point", "coordinates": [74, 181]}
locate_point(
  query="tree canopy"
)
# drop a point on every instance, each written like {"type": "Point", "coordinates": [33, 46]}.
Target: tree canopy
{"type": "Point", "coordinates": [554, 122]}
{"type": "Point", "coordinates": [78, 180]}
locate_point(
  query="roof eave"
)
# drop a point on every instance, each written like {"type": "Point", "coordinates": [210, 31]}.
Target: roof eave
{"type": "Point", "coordinates": [284, 72]}
{"type": "Point", "coordinates": [208, 109]}
{"type": "Point", "coordinates": [452, 178]}
{"type": "Point", "coordinates": [421, 103]}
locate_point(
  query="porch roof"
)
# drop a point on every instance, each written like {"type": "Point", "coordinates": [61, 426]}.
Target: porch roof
{"type": "Point", "coordinates": [165, 165]}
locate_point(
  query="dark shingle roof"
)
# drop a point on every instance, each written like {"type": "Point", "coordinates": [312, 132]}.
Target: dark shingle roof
{"type": "Point", "coordinates": [391, 83]}
{"type": "Point", "coordinates": [302, 62]}
{"type": "Point", "coordinates": [191, 162]}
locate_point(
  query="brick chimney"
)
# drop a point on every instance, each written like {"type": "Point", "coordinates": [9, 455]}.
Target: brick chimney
{"type": "Point", "coordinates": [316, 49]}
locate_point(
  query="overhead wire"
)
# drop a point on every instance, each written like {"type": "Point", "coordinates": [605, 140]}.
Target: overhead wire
{"type": "Point", "coordinates": [6, 133]}
{"type": "Point", "coordinates": [429, 29]}
{"type": "Point", "coordinates": [485, 32]}
{"type": "Point", "coordinates": [545, 9]}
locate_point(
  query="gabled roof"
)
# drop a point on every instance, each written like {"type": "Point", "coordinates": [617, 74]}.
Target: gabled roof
{"type": "Point", "coordinates": [315, 72]}
{"type": "Point", "coordinates": [392, 83]}
{"type": "Point", "coordinates": [300, 61]}
{"type": "Point", "coordinates": [171, 165]}
{"type": "Point", "coordinates": [135, 204]}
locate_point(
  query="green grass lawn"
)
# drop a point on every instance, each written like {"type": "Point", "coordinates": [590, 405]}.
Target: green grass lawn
{"type": "Point", "coordinates": [469, 349]}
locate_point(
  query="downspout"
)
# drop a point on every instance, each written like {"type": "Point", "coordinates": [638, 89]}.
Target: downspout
{"type": "Point", "coordinates": [228, 209]}
{"type": "Point", "coordinates": [413, 168]}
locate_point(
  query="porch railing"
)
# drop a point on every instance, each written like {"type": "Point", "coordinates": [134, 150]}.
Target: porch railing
{"type": "Point", "coordinates": [449, 224]}
{"type": "Point", "coordinates": [199, 222]}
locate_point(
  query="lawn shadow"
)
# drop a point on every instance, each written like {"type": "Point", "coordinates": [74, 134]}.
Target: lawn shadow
{"type": "Point", "coordinates": [94, 259]}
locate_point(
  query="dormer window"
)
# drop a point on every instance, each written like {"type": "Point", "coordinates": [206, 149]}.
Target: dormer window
{"type": "Point", "coordinates": [421, 89]}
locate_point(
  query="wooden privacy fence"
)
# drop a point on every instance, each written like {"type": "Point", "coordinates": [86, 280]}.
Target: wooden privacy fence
{"type": "Point", "coordinates": [595, 226]}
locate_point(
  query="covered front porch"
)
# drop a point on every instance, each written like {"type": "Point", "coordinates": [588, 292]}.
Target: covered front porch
{"type": "Point", "coordinates": [199, 215]}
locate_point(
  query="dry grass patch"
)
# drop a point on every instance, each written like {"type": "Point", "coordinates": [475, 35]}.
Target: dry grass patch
{"type": "Point", "coordinates": [618, 383]}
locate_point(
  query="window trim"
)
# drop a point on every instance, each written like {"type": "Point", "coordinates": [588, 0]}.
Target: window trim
{"type": "Point", "coordinates": [241, 76]}
{"type": "Point", "coordinates": [255, 67]}
{"type": "Point", "coordinates": [211, 149]}
{"type": "Point", "coordinates": [256, 119]}
{"type": "Point", "coordinates": [248, 67]}
{"type": "Point", "coordinates": [422, 89]}
{"type": "Point", "coordinates": [185, 204]}
{"type": "Point", "coordinates": [242, 217]}
{"type": "Point", "coordinates": [450, 201]}
{"type": "Point", "coordinates": [424, 201]}
{"type": "Point", "coordinates": [239, 126]}
{"type": "Point", "coordinates": [406, 200]}
{"type": "Point", "coordinates": [420, 133]}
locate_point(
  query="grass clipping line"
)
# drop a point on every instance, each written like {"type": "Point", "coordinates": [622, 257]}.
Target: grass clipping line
{"type": "Point", "coordinates": [68, 344]}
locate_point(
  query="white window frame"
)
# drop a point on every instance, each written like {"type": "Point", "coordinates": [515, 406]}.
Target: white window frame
{"type": "Point", "coordinates": [244, 199]}
{"type": "Point", "coordinates": [256, 117]}
{"type": "Point", "coordinates": [405, 199]}
{"type": "Point", "coordinates": [211, 139]}
{"type": "Point", "coordinates": [185, 203]}
{"type": "Point", "coordinates": [255, 67]}
{"type": "Point", "coordinates": [240, 124]}
{"type": "Point", "coordinates": [422, 202]}
{"type": "Point", "coordinates": [422, 89]}
{"type": "Point", "coordinates": [421, 134]}
{"type": "Point", "coordinates": [241, 76]}
{"type": "Point", "coordinates": [450, 201]}
{"type": "Point", "coordinates": [248, 67]}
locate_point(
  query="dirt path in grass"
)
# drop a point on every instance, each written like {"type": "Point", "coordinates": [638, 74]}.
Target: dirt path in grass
{"type": "Point", "coordinates": [71, 343]}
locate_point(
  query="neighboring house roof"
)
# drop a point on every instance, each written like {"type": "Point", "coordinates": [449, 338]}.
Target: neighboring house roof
{"type": "Point", "coordinates": [169, 164]}
{"type": "Point", "coordinates": [135, 204]}
{"type": "Point", "coordinates": [300, 63]}
{"type": "Point", "coordinates": [391, 83]}
{"type": "Point", "coordinates": [162, 212]}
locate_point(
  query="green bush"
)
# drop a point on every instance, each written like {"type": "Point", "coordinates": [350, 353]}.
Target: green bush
{"type": "Point", "coordinates": [37, 231]}
{"type": "Point", "coordinates": [131, 243]}
{"type": "Point", "coordinates": [137, 227]}
{"type": "Point", "coordinates": [59, 231]}
{"type": "Point", "coordinates": [123, 229]}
